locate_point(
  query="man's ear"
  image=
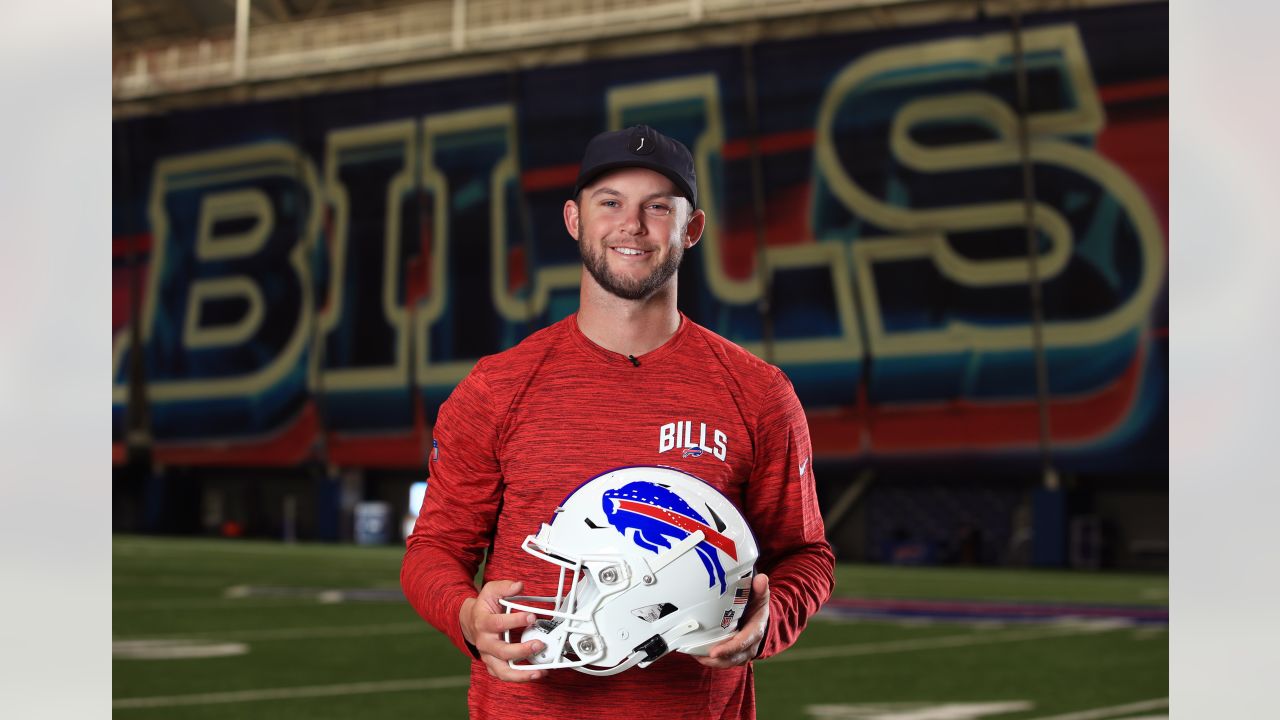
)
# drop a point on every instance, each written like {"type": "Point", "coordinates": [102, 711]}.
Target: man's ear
{"type": "Point", "coordinates": [693, 231]}
{"type": "Point", "coordinates": [571, 218]}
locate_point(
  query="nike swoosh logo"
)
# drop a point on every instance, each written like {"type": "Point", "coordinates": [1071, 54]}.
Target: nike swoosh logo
{"type": "Point", "coordinates": [803, 465]}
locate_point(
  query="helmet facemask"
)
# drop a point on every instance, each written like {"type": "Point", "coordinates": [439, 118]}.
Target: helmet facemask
{"type": "Point", "coordinates": [568, 629]}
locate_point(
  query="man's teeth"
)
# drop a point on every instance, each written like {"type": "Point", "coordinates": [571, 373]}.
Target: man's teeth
{"type": "Point", "coordinates": [629, 251]}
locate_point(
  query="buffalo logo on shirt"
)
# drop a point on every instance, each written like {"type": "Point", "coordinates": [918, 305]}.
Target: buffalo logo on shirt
{"type": "Point", "coordinates": [680, 434]}
{"type": "Point", "coordinates": [653, 516]}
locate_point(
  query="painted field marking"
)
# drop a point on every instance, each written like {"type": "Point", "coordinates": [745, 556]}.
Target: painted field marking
{"type": "Point", "coordinates": [144, 547]}
{"type": "Point", "coordinates": [1113, 711]}
{"type": "Point", "coordinates": [242, 596]}
{"type": "Point", "coordinates": [166, 581]}
{"type": "Point", "coordinates": [930, 643]}
{"type": "Point", "coordinates": [462, 680]}
{"type": "Point", "coordinates": [312, 691]}
{"type": "Point", "coordinates": [214, 604]}
{"type": "Point", "coordinates": [322, 595]}
{"type": "Point", "coordinates": [915, 710]}
{"type": "Point", "coordinates": [174, 649]}
{"type": "Point", "coordinates": [299, 633]}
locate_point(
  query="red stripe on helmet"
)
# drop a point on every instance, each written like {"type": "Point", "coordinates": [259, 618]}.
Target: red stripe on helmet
{"type": "Point", "coordinates": [684, 522]}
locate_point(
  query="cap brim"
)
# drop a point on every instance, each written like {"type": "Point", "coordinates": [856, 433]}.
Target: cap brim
{"type": "Point", "coordinates": [683, 188]}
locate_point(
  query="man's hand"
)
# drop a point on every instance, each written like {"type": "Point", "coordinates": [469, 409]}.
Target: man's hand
{"type": "Point", "coordinates": [740, 647]}
{"type": "Point", "coordinates": [483, 624]}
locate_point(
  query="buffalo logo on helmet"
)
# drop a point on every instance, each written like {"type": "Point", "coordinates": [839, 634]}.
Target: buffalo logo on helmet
{"type": "Point", "coordinates": [656, 516]}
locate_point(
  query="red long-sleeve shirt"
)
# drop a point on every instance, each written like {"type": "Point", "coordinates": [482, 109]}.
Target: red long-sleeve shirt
{"type": "Point", "coordinates": [530, 424]}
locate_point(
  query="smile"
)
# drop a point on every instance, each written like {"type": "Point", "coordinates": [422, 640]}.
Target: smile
{"type": "Point", "coordinates": [632, 252]}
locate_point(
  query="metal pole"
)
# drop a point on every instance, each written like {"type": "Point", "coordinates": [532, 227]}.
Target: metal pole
{"type": "Point", "coordinates": [1049, 476]}
{"type": "Point", "coordinates": [459, 24]}
{"type": "Point", "coordinates": [242, 39]}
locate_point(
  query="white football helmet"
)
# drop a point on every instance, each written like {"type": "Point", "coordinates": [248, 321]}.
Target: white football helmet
{"type": "Point", "coordinates": [656, 560]}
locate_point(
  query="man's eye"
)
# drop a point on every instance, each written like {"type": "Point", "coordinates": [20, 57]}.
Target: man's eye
{"type": "Point", "coordinates": [659, 209]}
{"type": "Point", "coordinates": [610, 203]}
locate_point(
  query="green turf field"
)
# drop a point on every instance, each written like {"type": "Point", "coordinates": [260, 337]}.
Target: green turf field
{"type": "Point", "coordinates": [279, 647]}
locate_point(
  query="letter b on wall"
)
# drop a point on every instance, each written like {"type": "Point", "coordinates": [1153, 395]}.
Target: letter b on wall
{"type": "Point", "coordinates": [230, 292]}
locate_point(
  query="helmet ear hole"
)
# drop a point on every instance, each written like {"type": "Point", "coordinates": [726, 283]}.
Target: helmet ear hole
{"type": "Point", "coordinates": [654, 613]}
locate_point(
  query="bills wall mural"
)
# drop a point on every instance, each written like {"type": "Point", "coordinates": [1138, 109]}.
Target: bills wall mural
{"type": "Point", "coordinates": [309, 278]}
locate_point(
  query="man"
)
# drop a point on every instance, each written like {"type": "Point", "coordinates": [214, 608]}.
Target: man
{"type": "Point", "coordinates": [625, 381]}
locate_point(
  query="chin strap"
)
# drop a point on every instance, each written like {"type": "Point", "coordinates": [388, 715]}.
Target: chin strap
{"type": "Point", "coordinates": [627, 664]}
{"type": "Point", "coordinates": [647, 652]}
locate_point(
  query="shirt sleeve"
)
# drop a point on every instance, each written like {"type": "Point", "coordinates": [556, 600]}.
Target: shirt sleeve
{"type": "Point", "coordinates": [782, 508]}
{"type": "Point", "coordinates": [459, 513]}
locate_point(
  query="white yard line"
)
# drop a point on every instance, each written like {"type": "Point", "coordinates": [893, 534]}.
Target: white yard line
{"type": "Point", "coordinates": [231, 547]}
{"type": "Point", "coordinates": [1113, 711]}
{"type": "Point", "coordinates": [215, 604]}
{"type": "Point", "coordinates": [462, 680]}
{"type": "Point", "coordinates": [234, 597]}
{"type": "Point", "coordinates": [312, 691]}
{"type": "Point", "coordinates": [300, 633]}
{"type": "Point", "coordinates": [166, 581]}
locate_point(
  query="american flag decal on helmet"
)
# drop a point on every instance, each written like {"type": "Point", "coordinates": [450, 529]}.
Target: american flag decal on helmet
{"type": "Point", "coordinates": [740, 597]}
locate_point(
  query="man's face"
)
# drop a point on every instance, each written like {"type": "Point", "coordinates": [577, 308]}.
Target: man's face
{"type": "Point", "coordinates": [632, 231]}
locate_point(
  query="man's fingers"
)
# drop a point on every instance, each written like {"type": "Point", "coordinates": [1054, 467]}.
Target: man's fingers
{"type": "Point", "coordinates": [505, 621]}
{"type": "Point", "coordinates": [743, 641]}
{"type": "Point", "coordinates": [495, 589]}
{"type": "Point", "coordinates": [506, 588]}
{"type": "Point", "coordinates": [501, 670]}
{"type": "Point", "coordinates": [727, 656]}
{"type": "Point", "coordinates": [760, 583]}
{"type": "Point", "coordinates": [740, 647]}
{"type": "Point", "coordinates": [511, 651]}
{"type": "Point", "coordinates": [724, 662]}
{"type": "Point", "coordinates": [760, 587]}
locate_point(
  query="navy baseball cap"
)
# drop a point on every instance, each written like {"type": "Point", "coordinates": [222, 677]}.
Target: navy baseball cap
{"type": "Point", "coordinates": [639, 146]}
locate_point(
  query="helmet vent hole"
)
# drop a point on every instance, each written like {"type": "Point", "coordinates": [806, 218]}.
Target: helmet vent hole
{"type": "Point", "coordinates": [720, 526]}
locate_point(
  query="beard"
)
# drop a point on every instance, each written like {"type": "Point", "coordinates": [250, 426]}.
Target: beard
{"type": "Point", "coordinates": [594, 258]}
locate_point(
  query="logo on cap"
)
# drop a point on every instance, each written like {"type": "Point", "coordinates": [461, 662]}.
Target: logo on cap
{"type": "Point", "coordinates": [641, 142]}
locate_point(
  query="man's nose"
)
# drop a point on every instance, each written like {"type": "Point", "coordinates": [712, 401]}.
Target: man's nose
{"type": "Point", "coordinates": [633, 221]}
